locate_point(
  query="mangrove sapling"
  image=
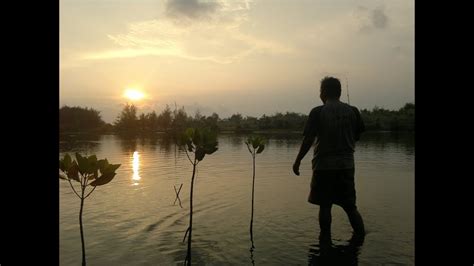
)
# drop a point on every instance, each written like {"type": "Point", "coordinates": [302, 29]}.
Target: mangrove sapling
{"type": "Point", "coordinates": [88, 172]}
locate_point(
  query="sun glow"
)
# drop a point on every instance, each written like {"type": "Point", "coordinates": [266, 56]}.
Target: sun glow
{"type": "Point", "coordinates": [134, 94]}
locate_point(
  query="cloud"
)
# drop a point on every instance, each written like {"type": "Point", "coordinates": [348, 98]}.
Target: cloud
{"type": "Point", "coordinates": [191, 9]}
{"type": "Point", "coordinates": [370, 19]}
{"type": "Point", "coordinates": [218, 39]}
{"type": "Point", "coordinates": [379, 19]}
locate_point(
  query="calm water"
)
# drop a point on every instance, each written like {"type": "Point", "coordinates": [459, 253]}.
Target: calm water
{"type": "Point", "coordinates": [133, 221]}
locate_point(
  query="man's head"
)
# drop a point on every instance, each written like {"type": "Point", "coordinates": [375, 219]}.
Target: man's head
{"type": "Point", "coordinates": [330, 89]}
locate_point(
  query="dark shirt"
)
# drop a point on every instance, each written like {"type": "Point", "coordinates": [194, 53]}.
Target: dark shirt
{"type": "Point", "coordinates": [336, 126]}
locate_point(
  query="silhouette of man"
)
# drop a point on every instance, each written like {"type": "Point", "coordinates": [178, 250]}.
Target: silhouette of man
{"type": "Point", "coordinates": [336, 127]}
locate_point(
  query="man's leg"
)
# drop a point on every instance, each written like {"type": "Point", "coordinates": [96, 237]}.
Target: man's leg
{"type": "Point", "coordinates": [325, 219]}
{"type": "Point", "coordinates": [355, 219]}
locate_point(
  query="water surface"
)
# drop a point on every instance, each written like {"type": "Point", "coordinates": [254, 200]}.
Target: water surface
{"type": "Point", "coordinates": [134, 221]}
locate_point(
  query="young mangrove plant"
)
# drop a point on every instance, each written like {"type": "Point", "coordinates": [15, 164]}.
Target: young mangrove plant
{"type": "Point", "coordinates": [255, 146]}
{"type": "Point", "coordinates": [88, 172]}
{"type": "Point", "coordinates": [199, 142]}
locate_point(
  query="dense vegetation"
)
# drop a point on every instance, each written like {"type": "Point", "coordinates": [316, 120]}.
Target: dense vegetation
{"type": "Point", "coordinates": [78, 119]}
{"type": "Point", "coordinates": [129, 121]}
{"type": "Point", "coordinates": [382, 119]}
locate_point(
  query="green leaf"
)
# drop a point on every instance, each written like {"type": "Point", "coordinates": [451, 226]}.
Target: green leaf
{"type": "Point", "coordinates": [103, 179]}
{"type": "Point", "coordinates": [115, 166]}
{"type": "Point", "coordinates": [260, 148]}
{"type": "Point", "coordinates": [200, 154]}
{"type": "Point", "coordinates": [93, 164]}
{"type": "Point", "coordinates": [190, 146]}
{"type": "Point", "coordinates": [72, 172]}
{"type": "Point", "coordinates": [197, 137]}
{"type": "Point", "coordinates": [210, 145]}
{"type": "Point", "coordinates": [67, 161]}
{"type": "Point", "coordinates": [102, 164]}
{"type": "Point", "coordinates": [83, 163]}
{"type": "Point", "coordinates": [111, 168]}
{"type": "Point", "coordinates": [61, 165]}
{"type": "Point", "coordinates": [79, 157]}
{"type": "Point", "coordinates": [182, 139]}
{"type": "Point", "coordinates": [94, 175]}
{"type": "Point", "coordinates": [92, 158]}
{"type": "Point", "coordinates": [209, 136]}
{"type": "Point", "coordinates": [255, 143]}
{"type": "Point", "coordinates": [210, 150]}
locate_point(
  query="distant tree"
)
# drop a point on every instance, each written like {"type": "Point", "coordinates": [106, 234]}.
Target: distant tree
{"type": "Point", "coordinates": [79, 119]}
{"type": "Point", "coordinates": [264, 122]}
{"type": "Point", "coordinates": [127, 121]}
{"type": "Point", "coordinates": [408, 107]}
{"type": "Point", "coordinates": [294, 121]}
{"type": "Point", "coordinates": [236, 122]}
{"type": "Point", "coordinates": [165, 118]}
{"type": "Point", "coordinates": [198, 121]}
{"type": "Point", "coordinates": [198, 115]}
{"type": "Point", "coordinates": [236, 119]}
{"type": "Point", "coordinates": [180, 119]}
{"type": "Point", "coordinates": [278, 121]}
{"type": "Point", "coordinates": [407, 117]}
{"type": "Point", "coordinates": [152, 121]}
{"type": "Point", "coordinates": [143, 122]}
{"type": "Point", "coordinates": [250, 122]}
{"type": "Point", "coordinates": [383, 119]}
{"type": "Point", "coordinates": [212, 122]}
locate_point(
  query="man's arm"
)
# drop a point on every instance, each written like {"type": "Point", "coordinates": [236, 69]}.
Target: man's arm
{"type": "Point", "coordinates": [305, 146]}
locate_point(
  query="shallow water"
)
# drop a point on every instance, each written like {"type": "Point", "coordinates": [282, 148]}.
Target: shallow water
{"type": "Point", "coordinates": [134, 221]}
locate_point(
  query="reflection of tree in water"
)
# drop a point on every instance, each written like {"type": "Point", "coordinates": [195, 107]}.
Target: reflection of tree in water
{"type": "Point", "coordinates": [128, 144]}
{"type": "Point", "coordinates": [326, 253]}
{"type": "Point", "coordinates": [142, 140]}
{"type": "Point", "coordinates": [162, 141]}
{"type": "Point", "coordinates": [236, 140]}
{"type": "Point", "coordinates": [153, 141]}
{"type": "Point", "coordinates": [382, 140]}
{"type": "Point", "coordinates": [166, 142]}
{"type": "Point", "coordinates": [252, 259]}
{"type": "Point", "coordinates": [283, 136]}
{"type": "Point", "coordinates": [85, 143]}
{"type": "Point", "coordinates": [280, 140]}
{"type": "Point", "coordinates": [84, 147]}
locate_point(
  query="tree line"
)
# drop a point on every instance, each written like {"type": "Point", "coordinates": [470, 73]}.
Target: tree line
{"type": "Point", "coordinates": [390, 120]}
{"type": "Point", "coordinates": [129, 121]}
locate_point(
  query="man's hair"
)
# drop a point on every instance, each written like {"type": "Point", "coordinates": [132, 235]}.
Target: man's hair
{"type": "Point", "coordinates": [331, 87]}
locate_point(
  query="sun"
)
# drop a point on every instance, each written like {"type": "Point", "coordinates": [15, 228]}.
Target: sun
{"type": "Point", "coordinates": [134, 94]}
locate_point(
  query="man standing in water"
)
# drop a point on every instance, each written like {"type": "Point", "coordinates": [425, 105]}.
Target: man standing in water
{"type": "Point", "coordinates": [336, 126]}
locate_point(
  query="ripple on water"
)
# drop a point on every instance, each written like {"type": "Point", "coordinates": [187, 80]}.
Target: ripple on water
{"type": "Point", "coordinates": [134, 222]}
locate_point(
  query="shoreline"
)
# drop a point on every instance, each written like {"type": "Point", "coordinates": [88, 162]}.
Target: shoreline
{"type": "Point", "coordinates": [224, 132]}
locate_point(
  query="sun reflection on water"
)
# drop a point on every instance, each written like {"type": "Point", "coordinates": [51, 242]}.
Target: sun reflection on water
{"type": "Point", "coordinates": [135, 167]}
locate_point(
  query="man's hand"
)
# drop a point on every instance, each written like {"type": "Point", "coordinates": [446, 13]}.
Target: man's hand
{"type": "Point", "coordinates": [305, 146]}
{"type": "Point", "coordinates": [296, 168]}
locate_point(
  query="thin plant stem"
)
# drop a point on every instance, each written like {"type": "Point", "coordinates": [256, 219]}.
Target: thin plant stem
{"type": "Point", "coordinates": [73, 189]}
{"type": "Point", "coordinates": [188, 255]}
{"type": "Point", "coordinates": [253, 196]}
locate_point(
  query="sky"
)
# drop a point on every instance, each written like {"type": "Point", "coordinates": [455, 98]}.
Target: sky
{"type": "Point", "coordinates": [251, 57]}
